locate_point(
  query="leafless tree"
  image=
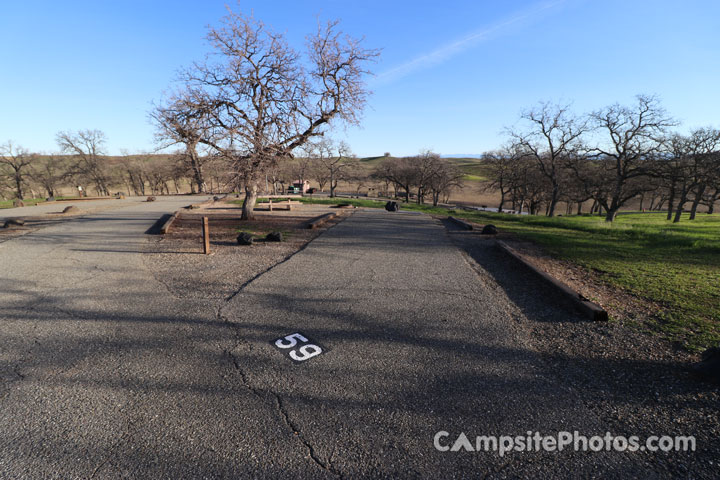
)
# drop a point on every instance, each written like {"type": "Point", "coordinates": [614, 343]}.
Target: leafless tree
{"type": "Point", "coordinates": [87, 147]}
{"type": "Point", "coordinates": [503, 168]}
{"type": "Point", "coordinates": [180, 121]}
{"type": "Point", "coordinates": [552, 136]}
{"type": "Point", "coordinates": [262, 100]}
{"type": "Point", "coordinates": [332, 162]}
{"type": "Point", "coordinates": [445, 177]}
{"type": "Point", "coordinates": [399, 171]}
{"type": "Point", "coordinates": [15, 164]}
{"type": "Point", "coordinates": [50, 171]}
{"type": "Point", "coordinates": [691, 168]}
{"type": "Point", "coordinates": [633, 138]}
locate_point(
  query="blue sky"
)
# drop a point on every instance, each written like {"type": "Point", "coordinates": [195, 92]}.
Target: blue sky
{"type": "Point", "coordinates": [452, 74]}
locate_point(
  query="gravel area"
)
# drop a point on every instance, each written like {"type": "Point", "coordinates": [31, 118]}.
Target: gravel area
{"type": "Point", "coordinates": [637, 383]}
{"type": "Point", "coordinates": [176, 259]}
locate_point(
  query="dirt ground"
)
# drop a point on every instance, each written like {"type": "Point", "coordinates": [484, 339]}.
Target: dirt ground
{"type": "Point", "coordinates": [177, 259]}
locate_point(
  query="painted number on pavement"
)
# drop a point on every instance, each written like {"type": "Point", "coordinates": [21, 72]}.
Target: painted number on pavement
{"type": "Point", "coordinates": [298, 347]}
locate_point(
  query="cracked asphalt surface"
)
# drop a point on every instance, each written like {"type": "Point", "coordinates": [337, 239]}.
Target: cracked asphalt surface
{"type": "Point", "coordinates": [105, 374]}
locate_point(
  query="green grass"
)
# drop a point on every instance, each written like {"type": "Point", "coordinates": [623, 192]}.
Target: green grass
{"type": "Point", "coordinates": [478, 171]}
{"type": "Point", "coordinates": [473, 178]}
{"type": "Point", "coordinates": [28, 202]}
{"type": "Point", "coordinates": [675, 265]}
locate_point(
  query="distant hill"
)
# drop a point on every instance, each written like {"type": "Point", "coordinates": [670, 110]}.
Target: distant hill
{"type": "Point", "coordinates": [463, 155]}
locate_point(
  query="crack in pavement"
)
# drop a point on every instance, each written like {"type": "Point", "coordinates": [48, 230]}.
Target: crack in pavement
{"type": "Point", "coordinates": [328, 467]}
{"type": "Point", "coordinates": [311, 450]}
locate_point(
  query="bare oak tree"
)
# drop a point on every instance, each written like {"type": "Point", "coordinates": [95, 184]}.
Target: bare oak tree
{"type": "Point", "coordinates": [180, 122]}
{"type": "Point", "coordinates": [263, 100]}
{"type": "Point", "coordinates": [633, 137]}
{"type": "Point", "coordinates": [553, 135]}
{"type": "Point", "coordinates": [87, 147]}
{"type": "Point", "coordinates": [50, 171]}
{"type": "Point", "coordinates": [332, 162]}
{"type": "Point", "coordinates": [15, 163]}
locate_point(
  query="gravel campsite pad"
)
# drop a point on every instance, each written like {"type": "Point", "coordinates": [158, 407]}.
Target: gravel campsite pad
{"type": "Point", "coordinates": [177, 260]}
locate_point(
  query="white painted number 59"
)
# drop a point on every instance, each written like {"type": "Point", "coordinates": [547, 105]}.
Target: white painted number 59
{"type": "Point", "coordinates": [298, 347]}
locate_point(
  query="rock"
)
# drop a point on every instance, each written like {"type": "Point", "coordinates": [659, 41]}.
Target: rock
{"type": "Point", "coordinates": [274, 237]}
{"type": "Point", "coordinates": [14, 222]}
{"type": "Point", "coordinates": [216, 198]}
{"type": "Point", "coordinates": [71, 209]}
{"type": "Point", "coordinates": [392, 206]}
{"type": "Point", "coordinates": [120, 196]}
{"type": "Point", "coordinates": [489, 229]}
{"type": "Point", "coordinates": [151, 198]}
{"type": "Point", "coordinates": [709, 368]}
{"type": "Point", "coordinates": [50, 199]}
{"type": "Point", "coordinates": [18, 203]}
{"type": "Point", "coordinates": [245, 239]}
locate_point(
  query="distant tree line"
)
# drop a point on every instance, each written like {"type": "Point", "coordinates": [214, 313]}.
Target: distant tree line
{"type": "Point", "coordinates": [423, 176]}
{"type": "Point", "coordinates": [611, 156]}
{"type": "Point", "coordinates": [81, 160]}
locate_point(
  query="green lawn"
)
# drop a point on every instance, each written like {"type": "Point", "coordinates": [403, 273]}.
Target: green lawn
{"type": "Point", "coordinates": [28, 202]}
{"type": "Point", "coordinates": [676, 265]}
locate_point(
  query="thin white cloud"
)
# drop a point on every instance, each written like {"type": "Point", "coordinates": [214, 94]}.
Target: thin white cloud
{"type": "Point", "coordinates": [442, 54]}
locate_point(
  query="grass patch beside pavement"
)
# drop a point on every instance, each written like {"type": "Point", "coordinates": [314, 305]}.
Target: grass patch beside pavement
{"type": "Point", "coordinates": [676, 265]}
{"type": "Point", "coordinates": [28, 202]}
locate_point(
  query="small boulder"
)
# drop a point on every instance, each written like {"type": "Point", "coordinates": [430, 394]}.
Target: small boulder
{"type": "Point", "coordinates": [120, 196]}
{"type": "Point", "coordinates": [489, 229]}
{"type": "Point", "coordinates": [18, 203]}
{"type": "Point", "coordinates": [216, 198]}
{"type": "Point", "coordinates": [14, 222]}
{"type": "Point", "coordinates": [274, 237]}
{"type": "Point", "coordinates": [151, 198]}
{"type": "Point", "coordinates": [709, 368]}
{"type": "Point", "coordinates": [71, 209]}
{"type": "Point", "coordinates": [392, 206]}
{"type": "Point", "coordinates": [245, 239]}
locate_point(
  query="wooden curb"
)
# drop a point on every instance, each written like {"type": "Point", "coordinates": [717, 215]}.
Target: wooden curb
{"type": "Point", "coordinates": [461, 223]}
{"type": "Point", "coordinates": [592, 310]}
{"type": "Point", "coordinates": [318, 221]}
{"type": "Point", "coordinates": [166, 226]}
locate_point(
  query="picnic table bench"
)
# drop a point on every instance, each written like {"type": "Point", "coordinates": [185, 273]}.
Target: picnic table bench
{"type": "Point", "coordinates": [287, 203]}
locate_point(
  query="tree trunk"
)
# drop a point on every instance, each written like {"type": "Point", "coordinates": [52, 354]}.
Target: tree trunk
{"type": "Point", "coordinates": [553, 201]}
{"type": "Point", "coordinates": [713, 199]}
{"type": "Point", "coordinates": [251, 195]}
{"type": "Point", "coordinates": [18, 188]}
{"type": "Point", "coordinates": [698, 197]}
{"type": "Point", "coordinates": [502, 201]}
{"type": "Point", "coordinates": [579, 210]}
{"type": "Point", "coordinates": [671, 201]}
{"type": "Point", "coordinates": [611, 214]}
{"type": "Point", "coordinates": [680, 205]}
